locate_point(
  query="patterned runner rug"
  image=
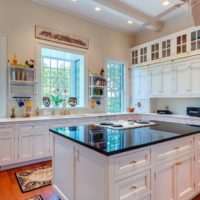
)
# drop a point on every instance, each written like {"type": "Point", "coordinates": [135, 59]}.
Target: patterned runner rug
{"type": "Point", "coordinates": [34, 178]}
{"type": "Point", "coordinates": [38, 197]}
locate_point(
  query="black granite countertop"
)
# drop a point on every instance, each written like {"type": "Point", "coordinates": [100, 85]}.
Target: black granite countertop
{"type": "Point", "coordinates": [109, 141]}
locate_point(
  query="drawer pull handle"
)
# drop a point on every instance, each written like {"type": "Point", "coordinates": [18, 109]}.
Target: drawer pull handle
{"type": "Point", "coordinates": [133, 162]}
{"type": "Point", "coordinates": [133, 187]}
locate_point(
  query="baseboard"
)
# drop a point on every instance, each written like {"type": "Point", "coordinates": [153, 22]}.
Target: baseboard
{"type": "Point", "coordinates": [21, 164]}
{"type": "Point", "coordinates": [60, 194]}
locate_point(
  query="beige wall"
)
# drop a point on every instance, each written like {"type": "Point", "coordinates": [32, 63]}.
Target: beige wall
{"type": "Point", "coordinates": [18, 18]}
{"type": "Point", "coordinates": [175, 26]}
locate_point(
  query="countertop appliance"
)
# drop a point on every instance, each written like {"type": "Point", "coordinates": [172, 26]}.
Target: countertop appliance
{"type": "Point", "coordinates": [193, 111]}
{"type": "Point", "coordinates": [164, 112]}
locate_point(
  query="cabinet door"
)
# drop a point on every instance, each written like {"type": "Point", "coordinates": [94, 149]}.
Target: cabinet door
{"type": "Point", "coordinates": [140, 83]}
{"type": "Point", "coordinates": [185, 174]}
{"type": "Point", "coordinates": [89, 167]}
{"type": "Point", "coordinates": [136, 84]}
{"type": "Point", "coordinates": [144, 83]}
{"type": "Point", "coordinates": [197, 172]}
{"type": "Point", "coordinates": [162, 83]}
{"type": "Point", "coordinates": [7, 155]}
{"type": "Point", "coordinates": [167, 81]}
{"type": "Point", "coordinates": [182, 78]}
{"type": "Point", "coordinates": [25, 146]}
{"type": "Point", "coordinates": [40, 144]}
{"type": "Point", "coordinates": [156, 81]}
{"type": "Point", "coordinates": [194, 73]}
{"type": "Point", "coordinates": [181, 44]}
{"type": "Point", "coordinates": [165, 181]}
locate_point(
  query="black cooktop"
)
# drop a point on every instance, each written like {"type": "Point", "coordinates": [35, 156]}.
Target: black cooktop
{"type": "Point", "coordinates": [111, 141]}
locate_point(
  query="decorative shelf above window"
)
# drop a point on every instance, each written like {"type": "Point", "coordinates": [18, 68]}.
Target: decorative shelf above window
{"type": "Point", "coordinates": [97, 85]}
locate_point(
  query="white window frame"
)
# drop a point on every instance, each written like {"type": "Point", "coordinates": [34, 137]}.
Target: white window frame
{"type": "Point", "coordinates": [126, 80]}
{"type": "Point", "coordinates": [59, 47]}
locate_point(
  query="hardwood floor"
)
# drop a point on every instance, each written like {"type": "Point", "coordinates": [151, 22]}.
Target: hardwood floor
{"type": "Point", "coordinates": [9, 188]}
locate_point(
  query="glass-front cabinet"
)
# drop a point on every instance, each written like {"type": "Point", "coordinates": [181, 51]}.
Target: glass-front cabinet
{"type": "Point", "coordinates": [195, 40]}
{"type": "Point", "coordinates": [166, 48]}
{"type": "Point", "coordinates": [134, 56]}
{"type": "Point", "coordinates": [178, 45]}
{"type": "Point", "coordinates": [139, 55]}
{"type": "Point", "coordinates": [143, 54]}
{"type": "Point", "coordinates": [155, 51]}
{"type": "Point", "coordinates": [181, 44]}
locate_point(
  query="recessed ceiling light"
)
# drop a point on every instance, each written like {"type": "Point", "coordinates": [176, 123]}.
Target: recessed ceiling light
{"type": "Point", "coordinates": [97, 9]}
{"type": "Point", "coordinates": [130, 22]}
{"type": "Point", "coordinates": [166, 3]}
{"type": "Point", "coordinates": [74, 0]}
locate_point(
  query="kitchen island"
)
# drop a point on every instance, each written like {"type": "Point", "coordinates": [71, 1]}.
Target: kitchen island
{"type": "Point", "coordinates": [155, 162]}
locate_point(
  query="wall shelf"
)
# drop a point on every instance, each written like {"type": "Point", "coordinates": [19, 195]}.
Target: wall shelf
{"type": "Point", "coordinates": [97, 86]}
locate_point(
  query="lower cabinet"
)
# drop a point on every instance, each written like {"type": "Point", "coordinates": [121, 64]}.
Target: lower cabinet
{"type": "Point", "coordinates": [175, 180]}
{"type": "Point", "coordinates": [7, 144]}
{"type": "Point", "coordinates": [136, 187]}
{"type": "Point", "coordinates": [25, 149]}
{"type": "Point", "coordinates": [33, 141]}
{"type": "Point", "coordinates": [7, 151]}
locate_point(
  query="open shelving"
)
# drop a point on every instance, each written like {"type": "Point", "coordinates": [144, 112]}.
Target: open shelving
{"type": "Point", "coordinates": [97, 85]}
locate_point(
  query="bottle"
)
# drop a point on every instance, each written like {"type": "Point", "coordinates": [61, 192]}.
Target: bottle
{"type": "Point", "coordinates": [14, 61]}
{"type": "Point", "coordinates": [13, 75]}
{"type": "Point", "coordinates": [102, 72]}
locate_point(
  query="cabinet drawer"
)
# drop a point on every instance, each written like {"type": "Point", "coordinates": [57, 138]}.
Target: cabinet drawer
{"type": "Point", "coordinates": [32, 127]}
{"type": "Point", "coordinates": [168, 150]}
{"type": "Point", "coordinates": [136, 187]}
{"type": "Point", "coordinates": [131, 162]}
{"type": "Point", "coordinates": [6, 128]}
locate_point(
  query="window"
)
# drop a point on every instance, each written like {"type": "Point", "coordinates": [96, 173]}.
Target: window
{"type": "Point", "coordinates": [115, 87]}
{"type": "Point", "coordinates": [62, 74]}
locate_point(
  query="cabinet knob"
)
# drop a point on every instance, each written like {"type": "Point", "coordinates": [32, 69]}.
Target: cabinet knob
{"type": "Point", "coordinates": [178, 163]}
{"type": "Point", "coordinates": [133, 187]}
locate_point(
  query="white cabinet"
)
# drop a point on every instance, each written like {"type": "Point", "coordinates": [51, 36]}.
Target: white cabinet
{"type": "Point", "coordinates": [7, 144]}
{"type": "Point", "coordinates": [187, 77]}
{"type": "Point", "coordinates": [185, 177]}
{"type": "Point", "coordinates": [140, 83]}
{"type": "Point", "coordinates": [161, 76]}
{"type": "Point", "coordinates": [25, 150]}
{"type": "Point", "coordinates": [79, 173]}
{"type": "Point", "coordinates": [175, 179]}
{"type": "Point", "coordinates": [136, 187]}
{"type": "Point", "coordinates": [164, 180]}
{"type": "Point", "coordinates": [34, 140]}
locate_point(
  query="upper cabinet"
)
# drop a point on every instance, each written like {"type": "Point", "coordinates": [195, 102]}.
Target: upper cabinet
{"type": "Point", "coordinates": [140, 79]}
{"type": "Point", "coordinates": [195, 40]}
{"type": "Point", "coordinates": [187, 77]}
{"type": "Point", "coordinates": [166, 48]}
{"type": "Point", "coordinates": [178, 45]}
{"type": "Point", "coordinates": [181, 44]}
{"type": "Point", "coordinates": [161, 80]}
{"type": "Point", "coordinates": [135, 57]}
{"type": "Point", "coordinates": [139, 55]}
{"type": "Point", "coordinates": [155, 51]}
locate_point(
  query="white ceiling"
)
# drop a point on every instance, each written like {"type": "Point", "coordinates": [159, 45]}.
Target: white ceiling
{"type": "Point", "coordinates": [116, 13]}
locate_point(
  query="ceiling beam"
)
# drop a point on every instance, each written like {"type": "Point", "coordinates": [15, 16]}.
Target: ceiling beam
{"type": "Point", "coordinates": [137, 16]}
